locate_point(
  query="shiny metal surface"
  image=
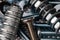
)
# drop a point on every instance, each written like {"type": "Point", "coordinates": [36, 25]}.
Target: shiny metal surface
{"type": "Point", "coordinates": [33, 34]}
{"type": "Point", "coordinates": [38, 22]}
{"type": "Point", "coordinates": [12, 18]}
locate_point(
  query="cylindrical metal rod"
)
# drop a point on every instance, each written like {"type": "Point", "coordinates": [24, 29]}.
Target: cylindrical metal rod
{"type": "Point", "coordinates": [54, 2]}
{"type": "Point", "coordinates": [23, 35]}
{"type": "Point", "coordinates": [31, 30]}
{"type": "Point", "coordinates": [12, 19]}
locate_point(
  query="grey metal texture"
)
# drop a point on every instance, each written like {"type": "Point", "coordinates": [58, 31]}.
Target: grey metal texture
{"type": "Point", "coordinates": [12, 19]}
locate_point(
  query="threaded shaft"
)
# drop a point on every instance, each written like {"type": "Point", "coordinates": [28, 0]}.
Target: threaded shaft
{"type": "Point", "coordinates": [12, 18]}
